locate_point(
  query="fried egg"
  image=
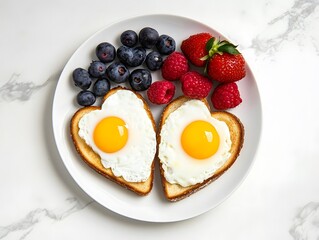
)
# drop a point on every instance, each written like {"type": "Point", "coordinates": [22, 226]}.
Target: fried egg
{"type": "Point", "coordinates": [122, 134]}
{"type": "Point", "coordinates": [194, 145]}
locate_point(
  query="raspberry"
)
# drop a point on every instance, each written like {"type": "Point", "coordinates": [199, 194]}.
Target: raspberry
{"type": "Point", "coordinates": [161, 92]}
{"type": "Point", "coordinates": [174, 66]}
{"type": "Point", "coordinates": [226, 96]}
{"type": "Point", "coordinates": [195, 85]}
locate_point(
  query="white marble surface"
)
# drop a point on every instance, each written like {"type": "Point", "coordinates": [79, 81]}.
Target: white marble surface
{"type": "Point", "coordinates": [278, 200]}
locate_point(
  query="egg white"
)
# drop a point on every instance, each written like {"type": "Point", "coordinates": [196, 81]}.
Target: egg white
{"type": "Point", "coordinates": [178, 166]}
{"type": "Point", "coordinates": [132, 162]}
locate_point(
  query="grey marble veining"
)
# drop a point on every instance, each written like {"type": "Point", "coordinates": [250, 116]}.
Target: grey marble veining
{"type": "Point", "coordinates": [16, 88]}
{"type": "Point", "coordinates": [292, 25]}
{"type": "Point", "coordinates": [26, 225]}
{"type": "Point", "coordinates": [294, 20]}
{"type": "Point", "coordinates": [306, 223]}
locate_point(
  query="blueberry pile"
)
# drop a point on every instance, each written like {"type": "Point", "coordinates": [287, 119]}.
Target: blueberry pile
{"type": "Point", "coordinates": [130, 63]}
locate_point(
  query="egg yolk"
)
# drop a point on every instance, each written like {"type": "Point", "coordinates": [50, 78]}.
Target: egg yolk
{"type": "Point", "coordinates": [110, 134]}
{"type": "Point", "coordinates": [200, 139]}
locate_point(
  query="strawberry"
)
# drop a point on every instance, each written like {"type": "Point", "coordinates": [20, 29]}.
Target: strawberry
{"type": "Point", "coordinates": [226, 67]}
{"type": "Point", "coordinates": [194, 48]}
{"type": "Point", "coordinates": [224, 62]}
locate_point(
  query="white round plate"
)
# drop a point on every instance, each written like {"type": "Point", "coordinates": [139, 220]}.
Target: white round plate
{"type": "Point", "coordinates": [154, 207]}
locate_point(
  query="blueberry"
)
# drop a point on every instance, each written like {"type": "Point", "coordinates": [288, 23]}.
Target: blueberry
{"type": "Point", "coordinates": [148, 37]}
{"type": "Point", "coordinates": [101, 87]}
{"type": "Point", "coordinates": [117, 72]}
{"type": "Point", "coordinates": [86, 98]}
{"type": "Point", "coordinates": [154, 61]}
{"type": "Point", "coordinates": [165, 44]}
{"type": "Point", "coordinates": [129, 38]}
{"type": "Point", "coordinates": [131, 57]}
{"type": "Point", "coordinates": [81, 78]}
{"type": "Point", "coordinates": [97, 69]}
{"type": "Point", "coordinates": [140, 79]}
{"type": "Point", "coordinates": [105, 52]}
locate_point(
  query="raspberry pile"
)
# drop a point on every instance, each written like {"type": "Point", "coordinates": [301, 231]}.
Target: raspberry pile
{"type": "Point", "coordinates": [216, 62]}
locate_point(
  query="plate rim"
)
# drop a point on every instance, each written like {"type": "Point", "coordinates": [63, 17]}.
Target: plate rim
{"type": "Point", "coordinates": [138, 217]}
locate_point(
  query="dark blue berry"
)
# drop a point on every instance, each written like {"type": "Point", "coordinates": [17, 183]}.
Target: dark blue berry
{"type": "Point", "coordinates": [131, 57]}
{"type": "Point", "coordinates": [101, 87]}
{"type": "Point", "coordinates": [165, 44]}
{"type": "Point", "coordinates": [86, 98]}
{"type": "Point", "coordinates": [117, 72]}
{"type": "Point", "coordinates": [140, 79]}
{"type": "Point", "coordinates": [81, 78]}
{"type": "Point", "coordinates": [129, 38]}
{"type": "Point", "coordinates": [105, 52]}
{"type": "Point", "coordinates": [154, 61]}
{"type": "Point", "coordinates": [97, 69]}
{"type": "Point", "coordinates": [148, 37]}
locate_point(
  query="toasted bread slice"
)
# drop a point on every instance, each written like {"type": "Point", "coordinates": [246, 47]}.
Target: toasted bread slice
{"type": "Point", "coordinates": [94, 161]}
{"type": "Point", "coordinates": [175, 192]}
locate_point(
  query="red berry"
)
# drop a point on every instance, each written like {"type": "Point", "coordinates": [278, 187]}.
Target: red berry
{"type": "Point", "coordinates": [226, 67]}
{"type": "Point", "coordinates": [226, 96]}
{"type": "Point", "coordinates": [161, 92]}
{"type": "Point", "coordinates": [194, 48]}
{"type": "Point", "coordinates": [174, 66]}
{"type": "Point", "coordinates": [195, 85]}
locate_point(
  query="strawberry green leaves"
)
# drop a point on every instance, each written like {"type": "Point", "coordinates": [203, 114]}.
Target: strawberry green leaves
{"type": "Point", "coordinates": [228, 48]}
{"type": "Point", "coordinates": [215, 46]}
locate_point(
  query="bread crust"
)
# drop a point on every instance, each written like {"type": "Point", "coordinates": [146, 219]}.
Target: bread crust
{"type": "Point", "coordinates": [93, 160]}
{"type": "Point", "coordinates": [175, 192]}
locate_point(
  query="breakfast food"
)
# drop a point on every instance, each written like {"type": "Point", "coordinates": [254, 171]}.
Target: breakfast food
{"type": "Point", "coordinates": [161, 92]}
{"type": "Point", "coordinates": [140, 79]}
{"type": "Point", "coordinates": [117, 72]}
{"type": "Point", "coordinates": [81, 78]}
{"type": "Point", "coordinates": [165, 44]}
{"type": "Point", "coordinates": [97, 69]}
{"type": "Point", "coordinates": [131, 57]}
{"type": "Point", "coordinates": [194, 48]}
{"type": "Point", "coordinates": [195, 85]}
{"type": "Point", "coordinates": [105, 52]}
{"type": "Point", "coordinates": [195, 146]}
{"type": "Point", "coordinates": [101, 87]}
{"type": "Point", "coordinates": [118, 139]}
{"type": "Point", "coordinates": [226, 96]}
{"type": "Point", "coordinates": [226, 67]}
{"type": "Point", "coordinates": [174, 66]}
{"type": "Point", "coordinates": [224, 62]}
{"type": "Point", "coordinates": [129, 38]}
{"type": "Point", "coordinates": [154, 60]}
{"type": "Point", "coordinates": [148, 37]}
{"type": "Point", "coordinates": [118, 65]}
{"type": "Point", "coordinates": [86, 98]}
